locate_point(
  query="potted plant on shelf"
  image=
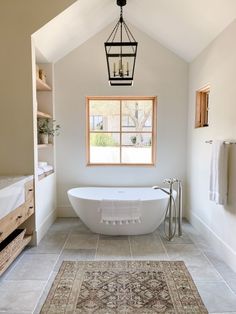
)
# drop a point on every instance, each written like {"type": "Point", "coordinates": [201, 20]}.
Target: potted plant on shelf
{"type": "Point", "coordinates": [46, 130]}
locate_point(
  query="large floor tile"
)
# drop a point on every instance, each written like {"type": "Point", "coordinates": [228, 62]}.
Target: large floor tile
{"type": "Point", "coordinates": [147, 247]}
{"type": "Point", "coordinates": [204, 273]}
{"type": "Point", "coordinates": [82, 241]}
{"type": "Point", "coordinates": [10, 312]}
{"type": "Point", "coordinates": [45, 293]}
{"type": "Point", "coordinates": [65, 224]}
{"type": "Point", "coordinates": [197, 239]}
{"type": "Point", "coordinates": [188, 253]}
{"type": "Point", "coordinates": [113, 249]}
{"type": "Point", "coordinates": [33, 267]}
{"type": "Point", "coordinates": [69, 225]}
{"type": "Point", "coordinates": [75, 255]}
{"type": "Point", "coordinates": [217, 296]}
{"type": "Point", "coordinates": [227, 273]}
{"type": "Point", "coordinates": [11, 267]}
{"type": "Point", "coordinates": [223, 313]}
{"type": "Point", "coordinates": [110, 237]}
{"type": "Point", "coordinates": [51, 243]}
{"type": "Point", "coordinates": [20, 296]}
{"type": "Point", "coordinates": [184, 239]}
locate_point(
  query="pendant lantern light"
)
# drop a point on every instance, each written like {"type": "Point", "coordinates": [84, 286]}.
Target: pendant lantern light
{"type": "Point", "coordinates": [121, 51]}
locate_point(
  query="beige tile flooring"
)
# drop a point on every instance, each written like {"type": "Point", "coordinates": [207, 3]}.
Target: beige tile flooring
{"type": "Point", "coordinates": [24, 287]}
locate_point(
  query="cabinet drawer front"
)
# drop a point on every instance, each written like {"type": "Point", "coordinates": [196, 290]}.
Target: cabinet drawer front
{"type": "Point", "coordinates": [29, 208]}
{"type": "Point", "coordinates": [15, 219]}
{"type": "Point", "coordinates": [29, 190]}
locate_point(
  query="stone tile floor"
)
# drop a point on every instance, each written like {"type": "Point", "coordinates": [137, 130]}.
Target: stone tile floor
{"type": "Point", "coordinates": [24, 287]}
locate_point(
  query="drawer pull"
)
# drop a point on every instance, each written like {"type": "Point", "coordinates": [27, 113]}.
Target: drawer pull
{"type": "Point", "coordinates": [30, 190]}
{"type": "Point", "coordinates": [19, 217]}
{"type": "Point", "coordinates": [31, 207]}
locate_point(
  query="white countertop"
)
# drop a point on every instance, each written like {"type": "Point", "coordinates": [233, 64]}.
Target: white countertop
{"type": "Point", "coordinates": [6, 181]}
{"type": "Point", "coordinates": [12, 193]}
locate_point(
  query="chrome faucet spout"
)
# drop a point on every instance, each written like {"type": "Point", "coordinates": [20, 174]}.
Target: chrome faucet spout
{"type": "Point", "coordinates": [156, 187]}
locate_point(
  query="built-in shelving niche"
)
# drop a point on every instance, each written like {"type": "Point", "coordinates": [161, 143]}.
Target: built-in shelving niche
{"type": "Point", "coordinates": [45, 110]}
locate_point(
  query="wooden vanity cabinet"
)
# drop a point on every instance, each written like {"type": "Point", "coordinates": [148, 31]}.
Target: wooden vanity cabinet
{"type": "Point", "coordinates": [11, 222]}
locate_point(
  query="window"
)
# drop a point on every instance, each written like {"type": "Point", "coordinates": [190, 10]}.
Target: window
{"type": "Point", "coordinates": [202, 107]}
{"type": "Point", "coordinates": [121, 130]}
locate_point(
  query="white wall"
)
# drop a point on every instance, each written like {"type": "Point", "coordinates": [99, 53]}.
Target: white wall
{"type": "Point", "coordinates": [82, 73]}
{"type": "Point", "coordinates": [216, 66]}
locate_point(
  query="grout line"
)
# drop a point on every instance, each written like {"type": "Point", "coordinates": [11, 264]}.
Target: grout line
{"type": "Point", "coordinates": [163, 245]}
{"type": "Point", "coordinates": [130, 248]}
{"type": "Point", "coordinates": [95, 257]}
{"type": "Point", "coordinates": [41, 294]}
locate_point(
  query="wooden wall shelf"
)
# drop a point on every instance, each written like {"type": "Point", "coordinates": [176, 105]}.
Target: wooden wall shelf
{"type": "Point", "coordinates": [41, 114]}
{"type": "Point", "coordinates": [44, 145]}
{"type": "Point", "coordinates": [42, 86]}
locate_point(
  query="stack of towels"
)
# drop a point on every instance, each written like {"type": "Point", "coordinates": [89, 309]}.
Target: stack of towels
{"type": "Point", "coordinates": [43, 167]}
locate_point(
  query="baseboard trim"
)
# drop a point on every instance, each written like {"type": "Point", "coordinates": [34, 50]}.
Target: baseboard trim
{"type": "Point", "coordinates": [66, 211]}
{"type": "Point", "coordinates": [43, 228]}
{"type": "Point", "coordinates": [227, 254]}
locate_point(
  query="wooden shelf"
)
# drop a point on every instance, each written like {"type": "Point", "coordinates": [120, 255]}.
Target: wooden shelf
{"type": "Point", "coordinates": [45, 174]}
{"type": "Point", "coordinates": [41, 114]}
{"type": "Point", "coordinates": [42, 86]}
{"type": "Point", "coordinates": [44, 145]}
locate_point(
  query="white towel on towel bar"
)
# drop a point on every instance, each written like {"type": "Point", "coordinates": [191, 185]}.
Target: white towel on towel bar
{"type": "Point", "coordinates": [119, 212]}
{"type": "Point", "coordinates": [219, 173]}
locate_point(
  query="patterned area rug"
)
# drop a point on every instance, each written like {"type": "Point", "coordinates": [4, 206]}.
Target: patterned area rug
{"type": "Point", "coordinates": [108, 287]}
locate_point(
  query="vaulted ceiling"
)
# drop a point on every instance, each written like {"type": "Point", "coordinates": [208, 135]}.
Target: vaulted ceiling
{"type": "Point", "coordinates": [185, 27]}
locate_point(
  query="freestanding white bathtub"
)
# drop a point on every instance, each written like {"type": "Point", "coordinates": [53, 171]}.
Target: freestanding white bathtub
{"type": "Point", "coordinates": [86, 202]}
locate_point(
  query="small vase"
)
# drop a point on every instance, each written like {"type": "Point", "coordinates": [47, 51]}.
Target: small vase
{"type": "Point", "coordinates": [50, 139]}
{"type": "Point", "coordinates": [43, 138]}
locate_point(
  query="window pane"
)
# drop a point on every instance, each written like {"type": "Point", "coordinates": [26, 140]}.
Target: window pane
{"type": "Point", "coordinates": [136, 148]}
{"type": "Point", "coordinates": [104, 115]}
{"type": "Point", "coordinates": [104, 147]}
{"type": "Point", "coordinates": [136, 139]}
{"type": "Point", "coordinates": [136, 155]}
{"type": "Point", "coordinates": [138, 113]}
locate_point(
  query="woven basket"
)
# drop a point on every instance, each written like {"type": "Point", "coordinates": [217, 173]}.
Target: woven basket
{"type": "Point", "coordinates": [11, 245]}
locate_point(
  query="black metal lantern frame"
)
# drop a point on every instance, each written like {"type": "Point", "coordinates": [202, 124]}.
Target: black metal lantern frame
{"type": "Point", "coordinates": [121, 52]}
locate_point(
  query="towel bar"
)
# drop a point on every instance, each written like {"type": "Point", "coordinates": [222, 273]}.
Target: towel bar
{"type": "Point", "coordinates": [225, 142]}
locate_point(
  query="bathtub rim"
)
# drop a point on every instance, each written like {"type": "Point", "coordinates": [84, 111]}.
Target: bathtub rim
{"type": "Point", "coordinates": [96, 199]}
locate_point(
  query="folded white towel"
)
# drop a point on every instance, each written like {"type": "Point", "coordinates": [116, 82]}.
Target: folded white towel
{"type": "Point", "coordinates": [219, 173]}
{"type": "Point", "coordinates": [40, 171]}
{"type": "Point", "coordinates": [119, 212]}
{"type": "Point", "coordinates": [46, 168]}
{"type": "Point", "coordinates": [42, 163]}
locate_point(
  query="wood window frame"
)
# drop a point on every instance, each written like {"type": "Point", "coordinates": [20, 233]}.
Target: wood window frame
{"type": "Point", "coordinates": [202, 107]}
{"type": "Point", "coordinates": [153, 131]}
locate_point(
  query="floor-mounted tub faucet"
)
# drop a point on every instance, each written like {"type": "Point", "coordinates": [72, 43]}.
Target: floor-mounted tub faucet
{"type": "Point", "coordinates": [171, 208]}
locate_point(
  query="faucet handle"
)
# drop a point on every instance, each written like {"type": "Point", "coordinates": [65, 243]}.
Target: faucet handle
{"type": "Point", "coordinates": [170, 180]}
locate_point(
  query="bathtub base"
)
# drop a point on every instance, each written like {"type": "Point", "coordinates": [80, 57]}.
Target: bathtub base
{"type": "Point", "coordinates": [125, 230]}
